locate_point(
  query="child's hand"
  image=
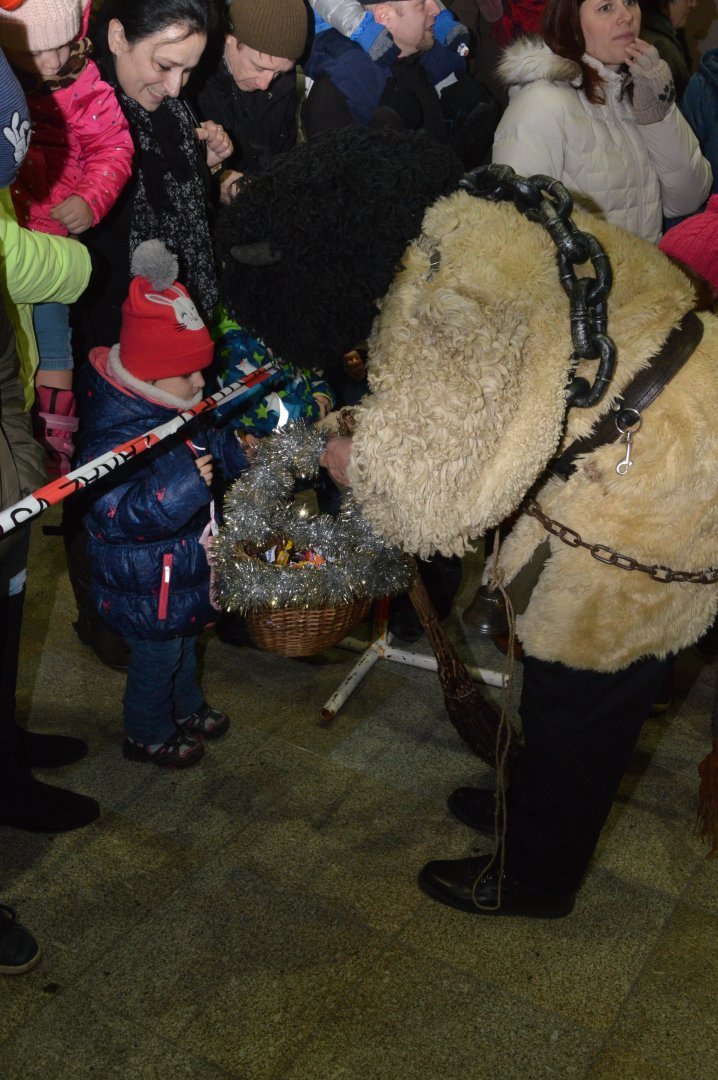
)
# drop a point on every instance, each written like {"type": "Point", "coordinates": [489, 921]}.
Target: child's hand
{"type": "Point", "coordinates": [74, 213]}
{"type": "Point", "coordinates": [219, 144]}
{"type": "Point", "coordinates": [325, 405]}
{"type": "Point", "coordinates": [204, 464]}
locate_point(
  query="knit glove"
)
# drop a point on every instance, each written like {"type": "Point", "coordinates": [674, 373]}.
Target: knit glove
{"type": "Point", "coordinates": [653, 89]}
{"type": "Point", "coordinates": [448, 31]}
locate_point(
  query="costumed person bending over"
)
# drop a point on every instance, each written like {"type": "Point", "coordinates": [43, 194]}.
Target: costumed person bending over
{"type": "Point", "coordinates": [470, 354]}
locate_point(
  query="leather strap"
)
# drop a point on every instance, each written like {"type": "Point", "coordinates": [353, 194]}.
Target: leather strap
{"type": "Point", "coordinates": [638, 395]}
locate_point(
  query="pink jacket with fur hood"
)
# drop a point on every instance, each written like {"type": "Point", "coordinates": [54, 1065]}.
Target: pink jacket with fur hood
{"type": "Point", "coordinates": [81, 145]}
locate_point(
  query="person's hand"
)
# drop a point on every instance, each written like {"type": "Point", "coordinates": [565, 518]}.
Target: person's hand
{"type": "Point", "coordinates": [250, 444]}
{"type": "Point", "coordinates": [653, 89]}
{"type": "Point", "coordinates": [219, 144]}
{"type": "Point", "coordinates": [204, 464]}
{"type": "Point", "coordinates": [227, 182]}
{"type": "Point", "coordinates": [325, 405]}
{"type": "Point", "coordinates": [335, 458]}
{"type": "Point", "coordinates": [74, 213]}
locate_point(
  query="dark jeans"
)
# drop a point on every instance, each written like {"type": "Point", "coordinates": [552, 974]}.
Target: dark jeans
{"type": "Point", "coordinates": [161, 687]}
{"type": "Point", "coordinates": [580, 728]}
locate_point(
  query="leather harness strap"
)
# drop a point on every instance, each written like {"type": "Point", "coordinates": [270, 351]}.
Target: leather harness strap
{"type": "Point", "coordinates": [638, 395]}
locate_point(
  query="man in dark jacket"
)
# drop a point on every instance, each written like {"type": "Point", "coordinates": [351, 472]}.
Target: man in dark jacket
{"type": "Point", "coordinates": [419, 85]}
{"type": "Point", "coordinates": [248, 82]}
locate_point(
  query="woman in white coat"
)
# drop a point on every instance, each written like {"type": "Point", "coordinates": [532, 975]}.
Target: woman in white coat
{"type": "Point", "coordinates": [594, 106]}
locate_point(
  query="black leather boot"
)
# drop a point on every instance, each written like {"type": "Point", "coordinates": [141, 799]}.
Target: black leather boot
{"type": "Point", "coordinates": [41, 751]}
{"type": "Point", "coordinates": [470, 885]}
{"type": "Point", "coordinates": [29, 805]}
{"type": "Point", "coordinates": [475, 807]}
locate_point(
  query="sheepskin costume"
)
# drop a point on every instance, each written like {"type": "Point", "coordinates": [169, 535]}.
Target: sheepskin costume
{"type": "Point", "coordinates": [468, 363]}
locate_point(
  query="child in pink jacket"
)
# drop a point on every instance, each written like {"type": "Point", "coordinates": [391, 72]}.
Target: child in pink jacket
{"type": "Point", "coordinates": [78, 161]}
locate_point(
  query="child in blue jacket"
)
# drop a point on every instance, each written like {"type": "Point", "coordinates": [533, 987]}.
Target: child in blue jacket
{"type": "Point", "coordinates": [150, 576]}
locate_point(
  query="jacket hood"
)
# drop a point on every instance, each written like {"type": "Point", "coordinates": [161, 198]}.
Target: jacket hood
{"type": "Point", "coordinates": [708, 67]}
{"type": "Point", "coordinates": [529, 59]}
{"type": "Point", "coordinates": [109, 365]}
{"type": "Point", "coordinates": [115, 406]}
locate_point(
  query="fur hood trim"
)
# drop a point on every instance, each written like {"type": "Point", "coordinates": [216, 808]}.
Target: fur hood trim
{"type": "Point", "coordinates": [145, 389]}
{"type": "Point", "coordinates": [529, 59]}
{"type": "Point", "coordinates": [468, 364]}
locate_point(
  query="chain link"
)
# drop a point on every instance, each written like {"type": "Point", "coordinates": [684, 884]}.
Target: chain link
{"type": "Point", "coordinates": [546, 201]}
{"type": "Point", "coordinates": [605, 554]}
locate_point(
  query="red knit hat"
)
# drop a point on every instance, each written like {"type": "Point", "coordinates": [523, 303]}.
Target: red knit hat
{"type": "Point", "coordinates": [162, 333]}
{"type": "Point", "coordinates": [695, 242]}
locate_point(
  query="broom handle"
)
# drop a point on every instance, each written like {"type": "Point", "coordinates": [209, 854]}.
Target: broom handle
{"type": "Point", "coordinates": [448, 660]}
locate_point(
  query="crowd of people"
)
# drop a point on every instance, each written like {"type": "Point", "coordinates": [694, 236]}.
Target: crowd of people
{"type": "Point", "coordinates": [127, 126]}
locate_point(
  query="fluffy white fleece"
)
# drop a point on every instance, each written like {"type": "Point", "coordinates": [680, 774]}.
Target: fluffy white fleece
{"type": "Point", "coordinates": [467, 370]}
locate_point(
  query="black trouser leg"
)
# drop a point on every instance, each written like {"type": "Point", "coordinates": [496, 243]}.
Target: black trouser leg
{"type": "Point", "coordinates": [13, 564]}
{"type": "Point", "coordinates": [580, 728]}
{"type": "Point", "coordinates": [11, 608]}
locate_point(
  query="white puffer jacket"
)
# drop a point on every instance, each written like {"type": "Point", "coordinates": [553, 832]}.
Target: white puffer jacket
{"type": "Point", "coordinates": [633, 174]}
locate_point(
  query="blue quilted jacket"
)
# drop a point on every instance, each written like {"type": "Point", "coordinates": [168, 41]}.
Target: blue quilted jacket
{"type": "Point", "coordinates": [362, 80]}
{"type": "Point", "coordinates": [150, 577]}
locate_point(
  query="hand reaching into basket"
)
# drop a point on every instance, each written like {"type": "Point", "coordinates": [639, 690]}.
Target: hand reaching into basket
{"type": "Point", "coordinates": [335, 458]}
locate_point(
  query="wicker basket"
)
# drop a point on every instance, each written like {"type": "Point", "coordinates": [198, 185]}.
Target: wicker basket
{"type": "Point", "coordinates": [299, 631]}
{"type": "Point", "coordinates": [293, 632]}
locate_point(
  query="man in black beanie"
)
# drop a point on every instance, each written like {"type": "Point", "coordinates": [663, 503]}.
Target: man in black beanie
{"type": "Point", "coordinates": [247, 82]}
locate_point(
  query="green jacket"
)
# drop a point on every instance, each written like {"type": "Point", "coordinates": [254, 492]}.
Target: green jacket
{"type": "Point", "coordinates": [35, 268]}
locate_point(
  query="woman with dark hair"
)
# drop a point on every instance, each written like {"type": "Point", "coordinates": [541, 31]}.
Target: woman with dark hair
{"type": "Point", "coordinates": [146, 50]}
{"type": "Point", "coordinates": [594, 106]}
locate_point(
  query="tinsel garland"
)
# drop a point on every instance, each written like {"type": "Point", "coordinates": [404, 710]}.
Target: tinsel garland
{"type": "Point", "coordinates": [259, 510]}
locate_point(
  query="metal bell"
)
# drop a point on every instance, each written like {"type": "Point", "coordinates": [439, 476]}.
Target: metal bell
{"type": "Point", "coordinates": [487, 612]}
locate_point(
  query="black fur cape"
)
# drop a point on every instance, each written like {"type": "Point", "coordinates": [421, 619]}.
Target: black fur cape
{"type": "Point", "coordinates": [338, 212]}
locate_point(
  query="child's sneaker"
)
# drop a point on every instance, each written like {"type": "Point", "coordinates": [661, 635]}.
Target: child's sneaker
{"type": "Point", "coordinates": [206, 723]}
{"type": "Point", "coordinates": [179, 752]}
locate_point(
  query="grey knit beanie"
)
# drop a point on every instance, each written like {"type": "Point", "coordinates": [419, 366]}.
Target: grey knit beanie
{"type": "Point", "coordinates": [275, 27]}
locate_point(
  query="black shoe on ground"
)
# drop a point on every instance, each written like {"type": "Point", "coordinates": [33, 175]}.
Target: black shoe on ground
{"type": "Point", "coordinates": [405, 625]}
{"type": "Point", "coordinates": [50, 751]}
{"type": "Point", "coordinates": [109, 648]}
{"type": "Point", "coordinates": [232, 630]}
{"type": "Point", "coordinates": [475, 807]}
{"type": "Point", "coordinates": [18, 949]}
{"type": "Point", "coordinates": [32, 806]}
{"type": "Point", "coordinates": [467, 885]}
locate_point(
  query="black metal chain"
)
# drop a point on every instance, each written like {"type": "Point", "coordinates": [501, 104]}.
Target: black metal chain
{"type": "Point", "coordinates": [546, 201]}
{"type": "Point", "coordinates": [605, 554]}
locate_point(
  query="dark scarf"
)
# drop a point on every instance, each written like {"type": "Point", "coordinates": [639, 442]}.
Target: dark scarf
{"type": "Point", "coordinates": [170, 201]}
{"type": "Point", "coordinates": [80, 52]}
